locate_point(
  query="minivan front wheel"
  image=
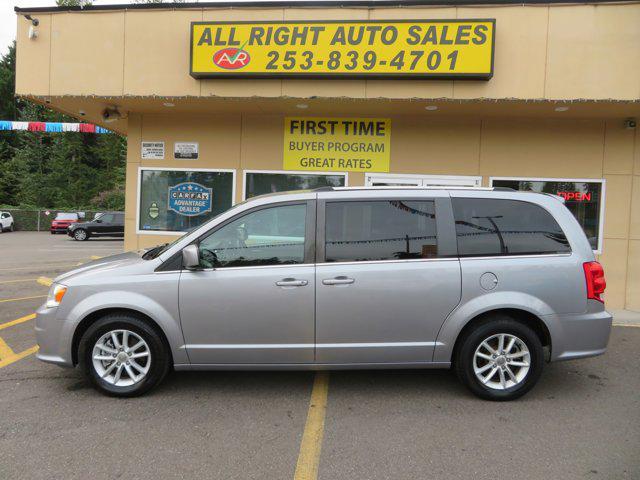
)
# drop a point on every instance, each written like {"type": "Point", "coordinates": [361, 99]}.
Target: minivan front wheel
{"type": "Point", "coordinates": [123, 356]}
{"type": "Point", "coordinates": [500, 359]}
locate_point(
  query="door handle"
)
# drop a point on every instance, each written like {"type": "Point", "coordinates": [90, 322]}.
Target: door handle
{"type": "Point", "coordinates": [291, 282]}
{"type": "Point", "coordinates": [338, 281]}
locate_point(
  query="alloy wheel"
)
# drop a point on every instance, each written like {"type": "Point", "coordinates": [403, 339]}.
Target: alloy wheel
{"type": "Point", "coordinates": [121, 358]}
{"type": "Point", "coordinates": [501, 361]}
{"type": "Point", "coordinates": [80, 234]}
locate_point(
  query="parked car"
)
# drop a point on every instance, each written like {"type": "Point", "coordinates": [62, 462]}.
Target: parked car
{"type": "Point", "coordinates": [62, 221]}
{"type": "Point", "coordinates": [107, 224]}
{"type": "Point", "coordinates": [491, 283]}
{"type": "Point", "coordinates": [6, 222]}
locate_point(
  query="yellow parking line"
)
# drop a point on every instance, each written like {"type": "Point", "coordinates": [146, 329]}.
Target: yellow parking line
{"type": "Point", "coordinates": [95, 257]}
{"type": "Point", "coordinates": [5, 350]}
{"type": "Point", "coordinates": [626, 325]}
{"type": "Point", "coordinates": [18, 356]}
{"type": "Point", "coordinates": [309, 456]}
{"type": "Point", "coordinates": [26, 318]}
{"type": "Point", "coordinates": [4, 300]}
{"type": "Point", "coordinates": [20, 280]}
{"type": "Point", "coordinates": [46, 281]}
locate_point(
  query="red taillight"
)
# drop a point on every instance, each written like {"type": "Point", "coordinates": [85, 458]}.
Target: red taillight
{"type": "Point", "coordinates": [596, 284]}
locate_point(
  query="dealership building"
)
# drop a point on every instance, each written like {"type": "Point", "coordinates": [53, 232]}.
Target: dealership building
{"type": "Point", "coordinates": [224, 101]}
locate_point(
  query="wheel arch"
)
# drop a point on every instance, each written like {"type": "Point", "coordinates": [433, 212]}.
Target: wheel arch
{"type": "Point", "coordinates": [96, 315]}
{"type": "Point", "coordinates": [519, 315]}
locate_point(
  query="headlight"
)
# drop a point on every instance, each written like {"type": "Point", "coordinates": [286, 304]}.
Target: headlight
{"type": "Point", "coordinates": [56, 292]}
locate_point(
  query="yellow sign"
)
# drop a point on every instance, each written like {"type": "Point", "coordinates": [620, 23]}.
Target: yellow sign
{"type": "Point", "coordinates": [337, 144]}
{"type": "Point", "coordinates": [353, 49]}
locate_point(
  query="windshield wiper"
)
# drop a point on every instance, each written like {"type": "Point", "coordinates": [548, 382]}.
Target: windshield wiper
{"type": "Point", "coordinates": [154, 252]}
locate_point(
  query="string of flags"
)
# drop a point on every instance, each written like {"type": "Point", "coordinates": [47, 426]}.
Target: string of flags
{"type": "Point", "coordinates": [52, 127]}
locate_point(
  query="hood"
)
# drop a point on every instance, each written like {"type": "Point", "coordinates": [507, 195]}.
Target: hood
{"type": "Point", "coordinates": [106, 265]}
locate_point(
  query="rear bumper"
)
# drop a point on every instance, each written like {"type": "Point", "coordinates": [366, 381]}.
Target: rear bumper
{"type": "Point", "coordinates": [53, 340]}
{"type": "Point", "coordinates": [580, 336]}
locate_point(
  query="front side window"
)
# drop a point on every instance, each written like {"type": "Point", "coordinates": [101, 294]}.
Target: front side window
{"type": "Point", "coordinates": [106, 218]}
{"type": "Point", "coordinates": [177, 200]}
{"type": "Point", "coordinates": [583, 199]}
{"type": "Point", "coordinates": [260, 183]}
{"type": "Point", "coordinates": [270, 236]}
{"type": "Point", "coordinates": [380, 230]}
{"type": "Point", "coordinates": [494, 227]}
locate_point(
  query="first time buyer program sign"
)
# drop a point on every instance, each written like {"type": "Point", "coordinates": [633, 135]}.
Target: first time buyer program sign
{"type": "Point", "coordinates": [337, 144]}
{"type": "Point", "coordinates": [344, 49]}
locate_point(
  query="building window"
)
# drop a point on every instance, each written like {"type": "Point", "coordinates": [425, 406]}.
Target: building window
{"type": "Point", "coordinates": [489, 227]}
{"type": "Point", "coordinates": [175, 200]}
{"type": "Point", "coordinates": [262, 182]}
{"type": "Point", "coordinates": [584, 198]}
{"type": "Point", "coordinates": [380, 230]}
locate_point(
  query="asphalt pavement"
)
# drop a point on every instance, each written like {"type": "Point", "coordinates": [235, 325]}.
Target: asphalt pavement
{"type": "Point", "coordinates": [582, 421]}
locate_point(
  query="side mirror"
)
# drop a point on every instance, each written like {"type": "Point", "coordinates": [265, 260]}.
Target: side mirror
{"type": "Point", "coordinates": [98, 221]}
{"type": "Point", "coordinates": [190, 257]}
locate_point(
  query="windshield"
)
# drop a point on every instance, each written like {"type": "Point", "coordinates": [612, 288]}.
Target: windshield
{"type": "Point", "coordinates": [67, 216]}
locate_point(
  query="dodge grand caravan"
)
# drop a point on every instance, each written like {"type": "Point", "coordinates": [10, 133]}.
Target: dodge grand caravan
{"type": "Point", "coordinates": [490, 283]}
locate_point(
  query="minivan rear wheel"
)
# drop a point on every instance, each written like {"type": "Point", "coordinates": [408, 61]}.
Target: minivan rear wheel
{"type": "Point", "coordinates": [123, 356]}
{"type": "Point", "coordinates": [500, 359]}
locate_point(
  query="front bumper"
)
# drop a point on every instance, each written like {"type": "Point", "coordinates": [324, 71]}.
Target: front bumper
{"type": "Point", "coordinates": [580, 336]}
{"type": "Point", "coordinates": [53, 339]}
{"type": "Point", "coordinates": [59, 229]}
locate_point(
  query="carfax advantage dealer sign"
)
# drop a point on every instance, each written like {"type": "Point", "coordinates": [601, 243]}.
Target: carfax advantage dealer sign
{"type": "Point", "coordinates": [351, 49]}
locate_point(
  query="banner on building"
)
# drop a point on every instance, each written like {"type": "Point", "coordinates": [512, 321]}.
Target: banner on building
{"type": "Point", "coordinates": [351, 49]}
{"type": "Point", "coordinates": [337, 144]}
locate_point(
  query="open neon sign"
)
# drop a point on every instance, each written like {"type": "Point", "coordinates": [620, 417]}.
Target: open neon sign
{"type": "Point", "coordinates": [575, 196]}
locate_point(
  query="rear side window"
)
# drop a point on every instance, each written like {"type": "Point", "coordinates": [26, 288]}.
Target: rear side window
{"type": "Point", "coordinates": [380, 230]}
{"type": "Point", "coordinates": [488, 227]}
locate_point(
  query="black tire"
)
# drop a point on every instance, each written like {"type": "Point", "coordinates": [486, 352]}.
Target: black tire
{"type": "Point", "coordinates": [160, 356]}
{"type": "Point", "coordinates": [80, 234]}
{"type": "Point", "coordinates": [495, 325]}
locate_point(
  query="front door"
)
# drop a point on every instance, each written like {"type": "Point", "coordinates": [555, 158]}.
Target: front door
{"type": "Point", "coordinates": [253, 299]}
{"type": "Point", "coordinates": [388, 281]}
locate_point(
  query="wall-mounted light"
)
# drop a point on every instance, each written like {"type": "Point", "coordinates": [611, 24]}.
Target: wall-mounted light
{"type": "Point", "coordinates": [302, 106]}
{"type": "Point", "coordinates": [169, 104]}
{"type": "Point", "coordinates": [33, 33]}
{"type": "Point", "coordinates": [561, 109]}
{"type": "Point", "coordinates": [431, 108]}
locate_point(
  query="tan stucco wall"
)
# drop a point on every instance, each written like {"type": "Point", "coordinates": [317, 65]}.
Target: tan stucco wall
{"type": "Point", "coordinates": [542, 52]}
{"type": "Point", "coordinates": [455, 146]}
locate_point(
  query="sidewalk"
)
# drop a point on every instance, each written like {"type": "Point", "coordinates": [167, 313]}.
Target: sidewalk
{"type": "Point", "coordinates": [626, 318]}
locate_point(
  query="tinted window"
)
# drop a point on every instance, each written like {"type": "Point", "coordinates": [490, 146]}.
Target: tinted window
{"type": "Point", "coordinates": [583, 199]}
{"type": "Point", "coordinates": [380, 230]}
{"type": "Point", "coordinates": [271, 236]}
{"type": "Point", "coordinates": [118, 218]}
{"type": "Point", "coordinates": [505, 227]}
{"type": "Point", "coordinates": [107, 218]}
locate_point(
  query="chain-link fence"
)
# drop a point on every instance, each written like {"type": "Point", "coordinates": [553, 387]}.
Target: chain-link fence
{"type": "Point", "coordinates": [40, 220]}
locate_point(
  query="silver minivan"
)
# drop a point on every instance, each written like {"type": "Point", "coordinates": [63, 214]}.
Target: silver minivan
{"type": "Point", "coordinates": [491, 283]}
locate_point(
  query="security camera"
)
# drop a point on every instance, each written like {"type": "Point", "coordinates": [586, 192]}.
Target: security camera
{"type": "Point", "coordinates": [630, 123]}
{"type": "Point", "coordinates": [111, 114]}
{"type": "Point", "coordinates": [34, 21]}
